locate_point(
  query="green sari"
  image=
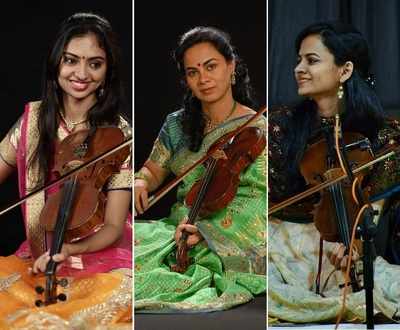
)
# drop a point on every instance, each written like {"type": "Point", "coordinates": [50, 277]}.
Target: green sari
{"type": "Point", "coordinates": [228, 267]}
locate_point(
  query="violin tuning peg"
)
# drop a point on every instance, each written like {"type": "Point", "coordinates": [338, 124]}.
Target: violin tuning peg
{"type": "Point", "coordinates": [39, 303]}
{"type": "Point", "coordinates": [63, 282]}
{"type": "Point", "coordinates": [39, 290]}
{"type": "Point", "coordinates": [62, 297]}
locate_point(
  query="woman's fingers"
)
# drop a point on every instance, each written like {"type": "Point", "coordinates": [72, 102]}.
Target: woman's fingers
{"type": "Point", "coordinates": [190, 228]}
{"type": "Point", "coordinates": [144, 199]}
{"type": "Point", "coordinates": [59, 257]}
{"type": "Point", "coordinates": [138, 203]}
{"type": "Point", "coordinates": [141, 201]}
{"type": "Point", "coordinates": [194, 236]}
{"type": "Point", "coordinates": [141, 196]}
{"type": "Point", "coordinates": [194, 239]}
{"type": "Point", "coordinates": [339, 256]}
{"type": "Point", "coordinates": [178, 233]}
{"type": "Point", "coordinates": [40, 263]}
{"type": "Point", "coordinates": [343, 263]}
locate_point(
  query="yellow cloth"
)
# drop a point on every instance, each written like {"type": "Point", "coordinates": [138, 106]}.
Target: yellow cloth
{"type": "Point", "coordinates": [101, 299]}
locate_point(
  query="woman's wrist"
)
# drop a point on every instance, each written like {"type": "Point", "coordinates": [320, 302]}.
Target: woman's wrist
{"type": "Point", "coordinates": [74, 248]}
{"type": "Point", "coordinates": [142, 176]}
{"type": "Point", "coordinates": [145, 175]}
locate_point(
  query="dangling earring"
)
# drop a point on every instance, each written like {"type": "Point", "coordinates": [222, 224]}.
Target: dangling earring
{"type": "Point", "coordinates": [101, 92]}
{"type": "Point", "coordinates": [233, 78]}
{"type": "Point", "coordinates": [340, 92]}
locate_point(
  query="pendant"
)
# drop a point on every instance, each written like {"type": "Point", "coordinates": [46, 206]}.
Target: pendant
{"type": "Point", "coordinates": [70, 126]}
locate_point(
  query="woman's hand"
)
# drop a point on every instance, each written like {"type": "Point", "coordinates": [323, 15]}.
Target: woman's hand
{"type": "Point", "coordinates": [194, 234]}
{"type": "Point", "coordinates": [141, 196]}
{"type": "Point", "coordinates": [147, 179]}
{"type": "Point", "coordinates": [338, 258]}
{"type": "Point", "coordinates": [40, 263]}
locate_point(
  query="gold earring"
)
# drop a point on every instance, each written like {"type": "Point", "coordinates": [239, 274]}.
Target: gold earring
{"type": "Point", "coordinates": [340, 92]}
{"type": "Point", "coordinates": [233, 78]}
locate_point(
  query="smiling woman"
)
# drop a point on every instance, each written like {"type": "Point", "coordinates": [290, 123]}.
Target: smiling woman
{"type": "Point", "coordinates": [305, 274]}
{"type": "Point", "coordinates": [82, 91]}
{"type": "Point", "coordinates": [82, 69]}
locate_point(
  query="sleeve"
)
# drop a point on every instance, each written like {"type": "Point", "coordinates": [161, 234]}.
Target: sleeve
{"type": "Point", "coordinates": [277, 155]}
{"type": "Point", "coordinates": [281, 184]}
{"type": "Point", "coordinates": [123, 179]}
{"type": "Point", "coordinates": [163, 147]}
{"type": "Point", "coordinates": [387, 172]}
{"type": "Point", "coordinates": [9, 144]}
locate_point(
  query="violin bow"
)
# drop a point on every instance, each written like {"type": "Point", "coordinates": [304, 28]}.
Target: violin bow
{"type": "Point", "coordinates": [327, 183]}
{"type": "Point", "coordinates": [68, 175]}
{"type": "Point", "coordinates": [163, 191]}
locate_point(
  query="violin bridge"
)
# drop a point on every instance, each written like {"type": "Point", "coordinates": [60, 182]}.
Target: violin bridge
{"type": "Point", "coordinates": [219, 154]}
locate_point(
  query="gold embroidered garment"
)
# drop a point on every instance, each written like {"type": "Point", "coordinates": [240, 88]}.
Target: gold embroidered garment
{"type": "Point", "coordinates": [228, 267]}
{"type": "Point", "coordinates": [100, 299]}
{"type": "Point", "coordinates": [93, 298]}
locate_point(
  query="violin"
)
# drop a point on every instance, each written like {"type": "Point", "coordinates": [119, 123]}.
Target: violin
{"type": "Point", "coordinates": [385, 154]}
{"type": "Point", "coordinates": [77, 209]}
{"type": "Point", "coordinates": [214, 148]}
{"type": "Point", "coordinates": [335, 213]}
{"type": "Point", "coordinates": [219, 184]}
{"type": "Point", "coordinates": [316, 167]}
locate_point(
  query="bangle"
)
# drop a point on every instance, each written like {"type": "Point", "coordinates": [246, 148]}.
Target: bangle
{"type": "Point", "coordinates": [142, 176]}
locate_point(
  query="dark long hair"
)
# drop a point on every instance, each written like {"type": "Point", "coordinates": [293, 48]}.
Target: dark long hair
{"type": "Point", "coordinates": [193, 122]}
{"type": "Point", "coordinates": [363, 112]}
{"type": "Point", "coordinates": [108, 106]}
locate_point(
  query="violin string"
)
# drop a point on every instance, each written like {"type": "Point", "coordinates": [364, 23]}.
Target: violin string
{"type": "Point", "coordinates": [163, 191]}
{"type": "Point", "coordinates": [203, 188]}
{"type": "Point", "coordinates": [344, 223]}
{"type": "Point", "coordinates": [66, 175]}
{"type": "Point", "coordinates": [328, 183]}
{"type": "Point", "coordinates": [344, 216]}
{"type": "Point", "coordinates": [353, 234]}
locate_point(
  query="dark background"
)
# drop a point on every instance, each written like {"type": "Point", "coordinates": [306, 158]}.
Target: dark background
{"type": "Point", "coordinates": [156, 82]}
{"type": "Point", "coordinates": [378, 21]}
{"type": "Point", "coordinates": [27, 29]}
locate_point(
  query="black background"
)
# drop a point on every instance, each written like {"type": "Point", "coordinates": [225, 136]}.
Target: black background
{"type": "Point", "coordinates": [27, 29]}
{"type": "Point", "coordinates": [157, 27]}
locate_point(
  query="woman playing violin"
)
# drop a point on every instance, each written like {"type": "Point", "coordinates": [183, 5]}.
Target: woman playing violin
{"type": "Point", "coordinates": [228, 246]}
{"type": "Point", "coordinates": [333, 75]}
{"type": "Point", "coordinates": [82, 89]}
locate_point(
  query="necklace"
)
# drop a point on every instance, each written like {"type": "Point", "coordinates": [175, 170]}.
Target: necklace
{"type": "Point", "coordinates": [210, 125]}
{"type": "Point", "coordinates": [69, 123]}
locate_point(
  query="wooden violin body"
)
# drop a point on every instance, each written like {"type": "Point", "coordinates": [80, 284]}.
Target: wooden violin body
{"type": "Point", "coordinates": [240, 153]}
{"type": "Point", "coordinates": [336, 212]}
{"type": "Point", "coordinates": [87, 212]}
{"type": "Point", "coordinates": [219, 184]}
{"type": "Point", "coordinates": [76, 210]}
{"type": "Point", "coordinates": [315, 170]}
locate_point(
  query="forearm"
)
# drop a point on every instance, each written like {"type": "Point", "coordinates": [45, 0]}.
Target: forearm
{"type": "Point", "coordinates": [103, 238]}
{"type": "Point", "coordinates": [152, 174]}
{"type": "Point", "coordinates": [5, 170]}
{"type": "Point", "coordinates": [117, 209]}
